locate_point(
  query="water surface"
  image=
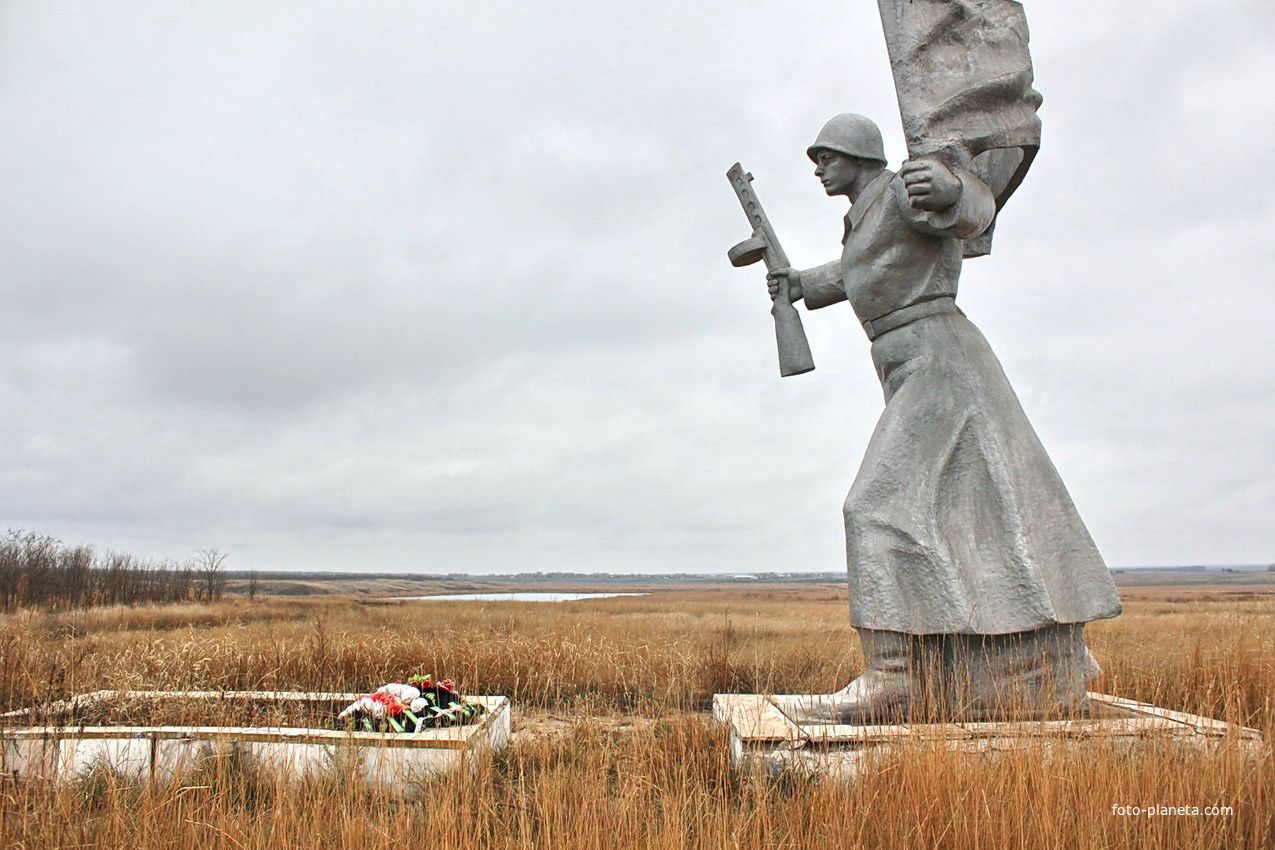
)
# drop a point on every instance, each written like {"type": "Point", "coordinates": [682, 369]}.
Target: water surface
{"type": "Point", "coordinates": [515, 596]}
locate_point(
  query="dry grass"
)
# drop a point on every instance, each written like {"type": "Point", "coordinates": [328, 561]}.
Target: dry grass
{"type": "Point", "coordinates": [665, 785]}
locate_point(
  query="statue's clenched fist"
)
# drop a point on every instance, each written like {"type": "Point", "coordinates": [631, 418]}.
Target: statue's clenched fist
{"type": "Point", "coordinates": [931, 185]}
{"type": "Point", "coordinates": [784, 283]}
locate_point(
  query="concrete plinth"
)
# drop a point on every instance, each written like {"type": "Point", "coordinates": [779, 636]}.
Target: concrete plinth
{"type": "Point", "coordinates": [763, 741]}
{"type": "Point", "coordinates": [389, 761]}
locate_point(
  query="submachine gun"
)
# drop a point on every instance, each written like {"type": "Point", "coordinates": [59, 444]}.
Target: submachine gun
{"type": "Point", "coordinates": [790, 336]}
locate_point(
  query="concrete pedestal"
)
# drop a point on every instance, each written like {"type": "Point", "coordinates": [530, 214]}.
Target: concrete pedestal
{"type": "Point", "coordinates": [763, 741]}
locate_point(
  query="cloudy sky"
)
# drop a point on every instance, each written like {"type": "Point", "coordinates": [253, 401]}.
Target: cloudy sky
{"type": "Point", "coordinates": [442, 287]}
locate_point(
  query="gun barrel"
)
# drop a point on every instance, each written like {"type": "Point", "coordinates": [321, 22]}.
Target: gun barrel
{"type": "Point", "coordinates": [742, 182]}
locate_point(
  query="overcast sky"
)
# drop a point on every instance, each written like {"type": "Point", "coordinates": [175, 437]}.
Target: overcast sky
{"type": "Point", "coordinates": [435, 286]}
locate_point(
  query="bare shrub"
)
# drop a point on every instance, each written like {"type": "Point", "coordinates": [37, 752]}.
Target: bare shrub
{"type": "Point", "coordinates": [42, 572]}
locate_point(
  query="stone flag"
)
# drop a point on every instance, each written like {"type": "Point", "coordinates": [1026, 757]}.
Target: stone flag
{"type": "Point", "coordinates": [963, 75]}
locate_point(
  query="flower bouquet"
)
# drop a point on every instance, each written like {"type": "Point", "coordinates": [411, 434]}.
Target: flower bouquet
{"type": "Point", "coordinates": [410, 706]}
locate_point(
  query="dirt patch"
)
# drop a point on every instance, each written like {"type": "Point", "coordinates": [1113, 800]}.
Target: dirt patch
{"type": "Point", "coordinates": [541, 723]}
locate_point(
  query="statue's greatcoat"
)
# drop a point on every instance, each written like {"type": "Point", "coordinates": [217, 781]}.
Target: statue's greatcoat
{"type": "Point", "coordinates": [957, 521]}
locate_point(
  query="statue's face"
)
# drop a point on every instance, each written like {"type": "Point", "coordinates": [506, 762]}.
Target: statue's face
{"type": "Point", "coordinates": [837, 172]}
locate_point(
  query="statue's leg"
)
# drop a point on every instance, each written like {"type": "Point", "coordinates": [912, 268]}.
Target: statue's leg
{"type": "Point", "coordinates": [1038, 673]}
{"type": "Point", "coordinates": [883, 694]}
{"type": "Point", "coordinates": [935, 678]}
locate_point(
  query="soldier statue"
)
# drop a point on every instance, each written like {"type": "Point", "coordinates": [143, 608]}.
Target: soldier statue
{"type": "Point", "coordinates": [971, 575]}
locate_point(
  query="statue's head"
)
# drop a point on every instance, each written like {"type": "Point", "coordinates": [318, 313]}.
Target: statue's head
{"type": "Point", "coordinates": [852, 135]}
{"type": "Point", "coordinates": [847, 154]}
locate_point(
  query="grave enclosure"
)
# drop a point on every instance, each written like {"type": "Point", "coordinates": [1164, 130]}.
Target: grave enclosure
{"type": "Point", "coordinates": [63, 750]}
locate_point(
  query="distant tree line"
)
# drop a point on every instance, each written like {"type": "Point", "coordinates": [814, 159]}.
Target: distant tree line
{"type": "Point", "coordinates": [42, 572]}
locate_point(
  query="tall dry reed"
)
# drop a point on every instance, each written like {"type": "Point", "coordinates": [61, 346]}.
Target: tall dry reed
{"type": "Point", "coordinates": [668, 785]}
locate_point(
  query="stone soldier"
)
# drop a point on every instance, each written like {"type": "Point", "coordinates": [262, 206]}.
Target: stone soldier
{"type": "Point", "coordinates": [971, 574]}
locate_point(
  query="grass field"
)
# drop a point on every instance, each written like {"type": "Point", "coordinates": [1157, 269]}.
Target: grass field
{"type": "Point", "coordinates": [614, 748]}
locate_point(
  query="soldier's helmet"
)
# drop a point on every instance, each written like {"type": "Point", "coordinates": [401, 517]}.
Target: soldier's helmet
{"type": "Point", "coordinates": [850, 134]}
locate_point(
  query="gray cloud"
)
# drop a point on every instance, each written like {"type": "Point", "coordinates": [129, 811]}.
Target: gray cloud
{"type": "Point", "coordinates": [443, 287]}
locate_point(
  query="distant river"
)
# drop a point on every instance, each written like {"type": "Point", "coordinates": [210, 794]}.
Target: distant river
{"type": "Point", "coordinates": [519, 596]}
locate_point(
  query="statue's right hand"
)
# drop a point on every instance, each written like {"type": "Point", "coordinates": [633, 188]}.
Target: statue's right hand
{"type": "Point", "coordinates": [784, 282]}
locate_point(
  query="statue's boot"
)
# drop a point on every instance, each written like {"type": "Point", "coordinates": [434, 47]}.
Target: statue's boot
{"type": "Point", "coordinates": [883, 694]}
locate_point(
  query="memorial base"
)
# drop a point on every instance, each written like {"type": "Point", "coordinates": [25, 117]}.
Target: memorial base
{"type": "Point", "coordinates": [764, 742]}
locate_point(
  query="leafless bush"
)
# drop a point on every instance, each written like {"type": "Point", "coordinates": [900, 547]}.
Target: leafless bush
{"type": "Point", "coordinates": [39, 571]}
{"type": "Point", "coordinates": [211, 563]}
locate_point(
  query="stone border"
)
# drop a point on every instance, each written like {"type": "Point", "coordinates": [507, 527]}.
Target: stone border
{"type": "Point", "coordinates": [763, 740]}
{"type": "Point", "coordinates": [164, 753]}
